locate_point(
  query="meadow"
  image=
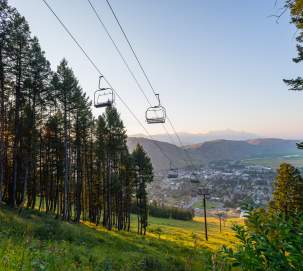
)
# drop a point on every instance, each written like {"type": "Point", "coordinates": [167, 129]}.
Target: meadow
{"type": "Point", "coordinates": [32, 240]}
{"type": "Point", "coordinates": [276, 161]}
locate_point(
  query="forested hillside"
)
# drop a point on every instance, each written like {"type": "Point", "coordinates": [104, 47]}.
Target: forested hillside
{"type": "Point", "coordinates": [54, 155]}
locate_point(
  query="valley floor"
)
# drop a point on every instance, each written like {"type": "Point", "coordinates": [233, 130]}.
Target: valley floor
{"type": "Point", "coordinates": [36, 241]}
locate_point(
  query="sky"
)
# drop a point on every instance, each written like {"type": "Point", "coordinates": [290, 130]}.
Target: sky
{"type": "Point", "coordinates": [216, 64]}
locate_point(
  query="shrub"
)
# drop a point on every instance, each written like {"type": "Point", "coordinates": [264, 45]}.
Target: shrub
{"type": "Point", "coordinates": [267, 242]}
{"type": "Point", "coordinates": [167, 212]}
{"type": "Point", "coordinates": [181, 214]}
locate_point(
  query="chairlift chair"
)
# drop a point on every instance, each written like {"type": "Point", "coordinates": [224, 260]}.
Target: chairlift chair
{"type": "Point", "coordinates": [156, 114]}
{"type": "Point", "coordinates": [194, 177]}
{"type": "Point", "coordinates": [103, 97]}
{"type": "Point", "coordinates": [172, 173]}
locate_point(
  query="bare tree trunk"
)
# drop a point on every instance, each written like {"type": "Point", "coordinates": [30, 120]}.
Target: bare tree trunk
{"type": "Point", "coordinates": [109, 204]}
{"type": "Point", "coordinates": [66, 169]}
{"type": "Point", "coordinates": [17, 131]}
{"type": "Point", "coordinates": [78, 181]}
{"type": "Point", "coordinates": [25, 181]}
{"type": "Point", "coordinates": [2, 124]}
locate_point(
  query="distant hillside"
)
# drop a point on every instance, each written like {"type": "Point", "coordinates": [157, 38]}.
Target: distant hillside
{"type": "Point", "coordinates": [213, 150]}
{"type": "Point", "coordinates": [223, 150]}
{"type": "Point", "coordinates": [236, 150]}
{"type": "Point", "coordinates": [190, 138]}
{"type": "Point", "coordinates": [155, 150]}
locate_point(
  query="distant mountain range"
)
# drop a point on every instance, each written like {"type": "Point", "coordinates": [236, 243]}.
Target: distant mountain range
{"type": "Point", "coordinates": [190, 138]}
{"type": "Point", "coordinates": [203, 153]}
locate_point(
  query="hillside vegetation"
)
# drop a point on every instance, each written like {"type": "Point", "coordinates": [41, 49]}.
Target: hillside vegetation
{"type": "Point", "coordinates": [36, 241]}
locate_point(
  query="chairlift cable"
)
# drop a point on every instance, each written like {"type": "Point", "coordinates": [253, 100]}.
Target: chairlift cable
{"type": "Point", "coordinates": [146, 77]}
{"type": "Point", "coordinates": [125, 62]}
{"type": "Point", "coordinates": [105, 79]}
{"type": "Point", "coordinates": [130, 45]}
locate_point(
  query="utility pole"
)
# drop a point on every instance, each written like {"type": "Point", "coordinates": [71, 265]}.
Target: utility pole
{"type": "Point", "coordinates": [220, 216]}
{"type": "Point", "coordinates": [204, 193]}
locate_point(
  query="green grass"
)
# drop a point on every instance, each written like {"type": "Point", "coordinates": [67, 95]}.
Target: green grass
{"type": "Point", "coordinates": [209, 204]}
{"type": "Point", "coordinates": [181, 232]}
{"type": "Point", "coordinates": [36, 241]}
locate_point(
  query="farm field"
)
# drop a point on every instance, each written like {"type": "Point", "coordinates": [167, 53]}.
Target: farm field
{"type": "Point", "coordinates": [274, 162]}
{"type": "Point", "coordinates": [36, 241]}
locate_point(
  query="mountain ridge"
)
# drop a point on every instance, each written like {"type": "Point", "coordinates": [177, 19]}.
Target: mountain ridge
{"type": "Point", "coordinates": [205, 152]}
{"type": "Point", "coordinates": [195, 138]}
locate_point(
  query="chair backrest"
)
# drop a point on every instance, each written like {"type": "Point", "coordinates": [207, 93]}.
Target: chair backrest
{"type": "Point", "coordinates": [155, 114]}
{"type": "Point", "coordinates": [103, 97]}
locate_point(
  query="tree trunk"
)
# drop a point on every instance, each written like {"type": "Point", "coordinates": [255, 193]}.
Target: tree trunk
{"type": "Point", "coordinates": [2, 124]}
{"type": "Point", "coordinates": [66, 168]}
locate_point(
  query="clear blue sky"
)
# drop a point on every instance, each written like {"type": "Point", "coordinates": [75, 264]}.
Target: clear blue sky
{"type": "Point", "coordinates": [216, 64]}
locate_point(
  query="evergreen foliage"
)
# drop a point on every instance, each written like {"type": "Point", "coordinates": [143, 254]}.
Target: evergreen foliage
{"type": "Point", "coordinates": [54, 155]}
{"type": "Point", "coordinates": [271, 238]}
{"type": "Point", "coordinates": [170, 212]}
{"type": "Point", "coordinates": [288, 192]}
{"type": "Point", "coordinates": [144, 176]}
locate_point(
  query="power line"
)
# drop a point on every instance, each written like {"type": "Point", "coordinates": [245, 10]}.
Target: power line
{"type": "Point", "coordinates": [146, 77]}
{"type": "Point", "coordinates": [125, 62]}
{"type": "Point", "coordinates": [100, 73]}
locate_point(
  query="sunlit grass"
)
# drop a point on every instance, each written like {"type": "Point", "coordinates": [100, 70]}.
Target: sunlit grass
{"type": "Point", "coordinates": [35, 241]}
{"type": "Point", "coordinates": [181, 232]}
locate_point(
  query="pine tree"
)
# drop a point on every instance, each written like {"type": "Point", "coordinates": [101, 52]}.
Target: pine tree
{"type": "Point", "coordinates": [37, 100]}
{"type": "Point", "coordinates": [66, 84]}
{"type": "Point", "coordinates": [144, 176]}
{"type": "Point", "coordinates": [19, 63]}
{"type": "Point", "coordinates": [288, 192]}
{"type": "Point", "coordinates": [54, 155]}
{"type": "Point", "coordinates": [101, 166]}
{"type": "Point", "coordinates": [5, 29]}
{"type": "Point", "coordinates": [116, 148]}
{"type": "Point", "coordinates": [82, 124]}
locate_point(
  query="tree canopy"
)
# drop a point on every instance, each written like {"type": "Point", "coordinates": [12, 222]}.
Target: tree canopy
{"type": "Point", "coordinates": [54, 155]}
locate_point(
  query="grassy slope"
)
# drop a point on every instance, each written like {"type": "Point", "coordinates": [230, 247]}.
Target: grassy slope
{"type": "Point", "coordinates": [35, 241]}
{"type": "Point", "coordinates": [181, 232]}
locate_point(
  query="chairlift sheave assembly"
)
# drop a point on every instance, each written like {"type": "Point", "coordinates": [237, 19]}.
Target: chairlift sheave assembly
{"type": "Point", "coordinates": [103, 97]}
{"type": "Point", "coordinates": [156, 114]}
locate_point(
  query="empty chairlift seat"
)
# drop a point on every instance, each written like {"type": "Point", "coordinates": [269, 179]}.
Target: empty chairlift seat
{"type": "Point", "coordinates": [194, 178]}
{"type": "Point", "coordinates": [172, 173]}
{"type": "Point", "coordinates": [103, 97]}
{"type": "Point", "coordinates": [156, 114]}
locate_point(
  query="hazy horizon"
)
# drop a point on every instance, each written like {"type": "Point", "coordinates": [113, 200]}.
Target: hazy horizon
{"type": "Point", "coordinates": [215, 65]}
{"type": "Point", "coordinates": [227, 130]}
